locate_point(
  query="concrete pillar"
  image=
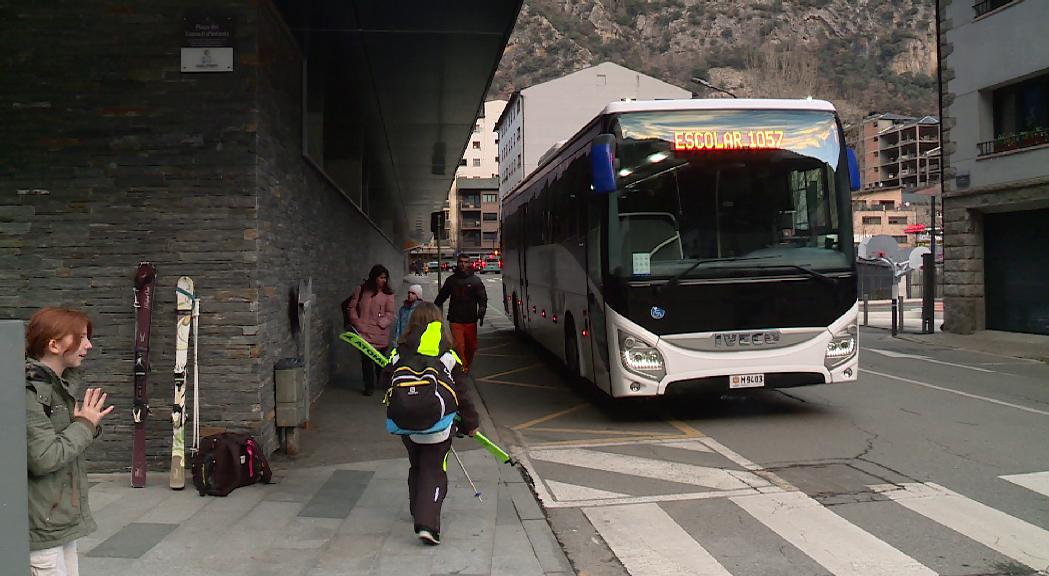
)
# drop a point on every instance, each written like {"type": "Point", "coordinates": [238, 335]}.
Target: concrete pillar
{"type": "Point", "coordinates": [14, 506]}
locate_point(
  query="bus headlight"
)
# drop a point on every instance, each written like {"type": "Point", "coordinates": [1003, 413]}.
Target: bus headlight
{"type": "Point", "coordinates": [640, 357]}
{"type": "Point", "coordinates": [841, 347]}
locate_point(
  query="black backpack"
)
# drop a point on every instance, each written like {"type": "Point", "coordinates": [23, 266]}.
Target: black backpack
{"type": "Point", "coordinates": [227, 461]}
{"type": "Point", "coordinates": [421, 398]}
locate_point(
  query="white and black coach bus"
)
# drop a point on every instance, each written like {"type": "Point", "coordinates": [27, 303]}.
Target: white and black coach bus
{"type": "Point", "coordinates": [690, 244]}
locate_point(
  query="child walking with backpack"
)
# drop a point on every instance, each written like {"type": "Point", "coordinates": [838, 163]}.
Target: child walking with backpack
{"type": "Point", "coordinates": [427, 405]}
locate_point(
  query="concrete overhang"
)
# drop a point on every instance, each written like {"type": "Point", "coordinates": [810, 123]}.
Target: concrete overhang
{"type": "Point", "coordinates": [420, 72]}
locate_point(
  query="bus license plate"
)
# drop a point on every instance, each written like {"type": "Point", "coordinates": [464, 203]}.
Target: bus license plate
{"type": "Point", "coordinates": [746, 381]}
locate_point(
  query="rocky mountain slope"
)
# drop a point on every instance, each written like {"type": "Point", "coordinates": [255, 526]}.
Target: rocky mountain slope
{"type": "Point", "coordinates": [863, 55]}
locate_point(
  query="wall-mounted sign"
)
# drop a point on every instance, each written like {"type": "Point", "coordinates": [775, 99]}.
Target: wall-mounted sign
{"type": "Point", "coordinates": [207, 43]}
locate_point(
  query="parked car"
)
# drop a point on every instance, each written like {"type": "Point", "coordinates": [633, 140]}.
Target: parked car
{"type": "Point", "coordinates": [492, 265]}
{"type": "Point", "coordinates": [431, 266]}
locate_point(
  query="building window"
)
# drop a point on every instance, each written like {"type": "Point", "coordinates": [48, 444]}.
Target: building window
{"type": "Point", "coordinates": [477, 162]}
{"type": "Point", "coordinates": [462, 162]}
{"type": "Point", "coordinates": [900, 239]}
{"type": "Point", "coordinates": [887, 203]}
{"type": "Point", "coordinates": [477, 128]}
{"type": "Point", "coordinates": [490, 216]}
{"type": "Point", "coordinates": [491, 237]}
{"type": "Point", "coordinates": [984, 6]}
{"type": "Point", "coordinates": [897, 220]}
{"type": "Point", "coordinates": [1021, 116]}
{"type": "Point", "coordinates": [476, 145]}
{"type": "Point", "coordinates": [871, 220]}
{"type": "Point", "coordinates": [488, 198]}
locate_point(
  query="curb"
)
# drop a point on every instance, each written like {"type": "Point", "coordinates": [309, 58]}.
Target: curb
{"type": "Point", "coordinates": [545, 545]}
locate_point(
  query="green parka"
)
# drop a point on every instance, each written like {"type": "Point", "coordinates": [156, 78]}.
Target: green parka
{"type": "Point", "coordinates": [58, 508]}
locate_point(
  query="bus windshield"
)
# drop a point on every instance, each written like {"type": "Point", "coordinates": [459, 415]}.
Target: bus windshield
{"type": "Point", "coordinates": [714, 193]}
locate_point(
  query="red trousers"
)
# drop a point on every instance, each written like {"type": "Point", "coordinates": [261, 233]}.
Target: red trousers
{"type": "Point", "coordinates": [465, 336]}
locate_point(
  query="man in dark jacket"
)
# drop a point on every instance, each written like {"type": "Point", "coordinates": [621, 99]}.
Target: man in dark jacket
{"type": "Point", "coordinates": [466, 309]}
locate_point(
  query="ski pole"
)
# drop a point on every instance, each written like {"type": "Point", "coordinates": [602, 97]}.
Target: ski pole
{"type": "Point", "coordinates": [477, 492]}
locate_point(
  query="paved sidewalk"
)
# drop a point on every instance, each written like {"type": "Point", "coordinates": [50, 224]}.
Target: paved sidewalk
{"type": "Point", "coordinates": [1013, 344]}
{"type": "Point", "coordinates": [339, 508]}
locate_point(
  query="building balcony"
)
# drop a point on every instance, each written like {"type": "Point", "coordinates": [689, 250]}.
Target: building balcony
{"type": "Point", "coordinates": [1011, 142]}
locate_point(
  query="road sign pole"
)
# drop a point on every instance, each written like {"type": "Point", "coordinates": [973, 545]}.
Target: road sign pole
{"type": "Point", "coordinates": [928, 293]}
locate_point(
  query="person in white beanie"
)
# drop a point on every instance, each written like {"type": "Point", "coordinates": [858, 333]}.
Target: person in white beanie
{"type": "Point", "coordinates": [415, 295]}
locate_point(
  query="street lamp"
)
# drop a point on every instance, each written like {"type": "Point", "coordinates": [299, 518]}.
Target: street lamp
{"type": "Point", "coordinates": [703, 82]}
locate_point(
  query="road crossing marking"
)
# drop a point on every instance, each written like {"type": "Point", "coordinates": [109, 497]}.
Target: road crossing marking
{"type": "Point", "coordinates": [707, 477]}
{"type": "Point", "coordinates": [569, 492]}
{"type": "Point", "coordinates": [693, 445]}
{"type": "Point", "coordinates": [958, 392]}
{"type": "Point", "coordinates": [1013, 537]}
{"type": "Point", "coordinates": [832, 541]}
{"type": "Point", "coordinates": [892, 354]}
{"type": "Point", "coordinates": [1036, 481]}
{"type": "Point", "coordinates": [648, 542]}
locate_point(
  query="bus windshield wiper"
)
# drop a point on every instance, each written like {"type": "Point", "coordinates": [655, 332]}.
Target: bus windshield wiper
{"type": "Point", "coordinates": [677, 278]}
{"type": "Point", "coordinates": [821, 277]}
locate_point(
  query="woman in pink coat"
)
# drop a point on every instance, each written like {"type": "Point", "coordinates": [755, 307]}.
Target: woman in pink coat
{"type": "Point", "coordinates": [371, 311]}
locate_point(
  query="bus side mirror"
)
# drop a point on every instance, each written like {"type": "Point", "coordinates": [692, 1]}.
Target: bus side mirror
{"type": "Point", "coordinates": [854, 170]}
{"type": "Point", "coordinates": [602, 163]}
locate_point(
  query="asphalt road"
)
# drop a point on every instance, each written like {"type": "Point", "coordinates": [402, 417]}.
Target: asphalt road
{"type": "Point", "coordinates": [934, 462]}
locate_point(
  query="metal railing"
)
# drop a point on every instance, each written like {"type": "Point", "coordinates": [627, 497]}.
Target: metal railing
{"type": "Point", "coordinates": [1015, 142]}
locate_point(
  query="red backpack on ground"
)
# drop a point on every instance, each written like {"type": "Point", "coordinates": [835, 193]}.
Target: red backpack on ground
{"type": "Point", "coordinates": [227, 461]}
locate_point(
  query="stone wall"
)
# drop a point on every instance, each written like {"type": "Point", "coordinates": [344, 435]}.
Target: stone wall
{"type": "Point", "coordinates": [308, 228]}
{"type": "Point", "coordinates": [111, 155]}
{"type": "Point", "coordinates": [119, 157]}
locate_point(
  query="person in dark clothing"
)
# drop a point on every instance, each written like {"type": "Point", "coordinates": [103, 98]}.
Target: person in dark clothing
{"type": "Point", "coordinates": [428, 453]}
{"type": "Point", "coordinates": [466, 308]}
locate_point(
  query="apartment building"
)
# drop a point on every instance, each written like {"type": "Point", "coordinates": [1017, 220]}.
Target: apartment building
{"type": "Point", "coordinates": [893, 212]}
{"type": "Point", "coordinates": [480, 161]}
{"type": "Point", "coordinates": [538, 117]}
{"type": "Point", "coordinates": [994, 58]}
{"type": "Point", "coordinates": [899, 151]}
{"type": "Point", "coordinates": [474, 205]}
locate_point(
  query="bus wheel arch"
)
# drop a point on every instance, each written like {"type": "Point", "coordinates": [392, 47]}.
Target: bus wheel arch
{"type": "Point", "coordinates": [572, 359]}
{"type": "Point", "coordinates": [517, 313]}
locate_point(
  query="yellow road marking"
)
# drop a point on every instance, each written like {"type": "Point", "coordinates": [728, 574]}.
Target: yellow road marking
{"type": "Point", "coordinates": [493, 347]}
{"type": "Point", "coordinates": [688, 430]}
{"type": "Point", "coordinates": [599, 441]}
{"type": "Point", "coordinates": [522, 385]}
{"type": "Point", "coordinates": [508, 372]}
{"type": "Point", "coordinates": [548, 417]}
{"type": "Point", "coordinates": [616, 432]}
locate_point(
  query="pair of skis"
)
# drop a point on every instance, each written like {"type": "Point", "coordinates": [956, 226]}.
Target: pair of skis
{"type": "Point", "coordinates": [187, 306]}
{"type": "Point", "coordinates": [188, 310]}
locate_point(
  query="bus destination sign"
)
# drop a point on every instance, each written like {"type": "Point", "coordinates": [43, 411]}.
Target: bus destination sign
{"type": "Point", "coordinates": [692, 140]}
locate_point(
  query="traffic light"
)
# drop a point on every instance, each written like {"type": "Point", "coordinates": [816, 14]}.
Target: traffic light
{"type": "Point", "coordinates": [437, 222]}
